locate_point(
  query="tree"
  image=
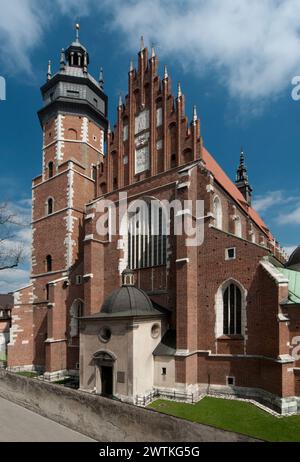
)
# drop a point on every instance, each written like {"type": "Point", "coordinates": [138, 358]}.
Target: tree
{"type": "Point", "coordinates": [11, 253]}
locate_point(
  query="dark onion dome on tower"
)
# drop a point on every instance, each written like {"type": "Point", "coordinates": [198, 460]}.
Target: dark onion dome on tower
{"type": "Point", "coordinates": [129, 301]}
{"type": "Point", "coordinates": [294, 260]}
{"type": "Point", "coordinates": [77, 54]}
{"type": "Point", "coordinates": [72, 88]}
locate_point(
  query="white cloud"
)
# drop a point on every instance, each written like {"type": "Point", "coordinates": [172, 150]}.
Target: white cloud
{"type": "Point", "coordinates": [275, 200]}
{"type": "Point", "coordinates": [23, 26]}
{"type": "Point", "coordinates": [271, 199]}
{"type": "Point", "coordinates": [21, 29]}
{"type": "Point", "coordinates": [252, 47]}
{"type": "Point", "coordinates": [290, 218]}
{"type": "Point", "coordinates": [75, 7]}
{"type": "Point", "coordinates": [13, 279]}
{"type": "Point", "coordinates": [283, 207]}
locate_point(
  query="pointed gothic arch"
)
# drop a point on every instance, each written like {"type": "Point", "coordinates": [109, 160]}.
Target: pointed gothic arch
{"type": "Point", "coordinates": [147, 234]}
{"type": "Point", "coordinates": [49, 263]}
{"type": "Point", "coordinates": [76, 312]}
{"type": "Point", "coordinates": [49, 206]}
{"type": "Point", "coordinates": [230, 309]}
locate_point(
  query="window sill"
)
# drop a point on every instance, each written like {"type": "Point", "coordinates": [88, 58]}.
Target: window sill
{"type": "Point", "coordinates": [231, 337]}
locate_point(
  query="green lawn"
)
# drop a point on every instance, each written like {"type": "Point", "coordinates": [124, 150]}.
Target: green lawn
{"type": "Point", "coordinates": [235, 416]}
{"type": "Point", "coordinates": [28, 374]}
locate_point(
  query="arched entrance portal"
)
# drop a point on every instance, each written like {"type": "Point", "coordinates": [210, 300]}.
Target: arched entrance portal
{"type": "Point", "coordinates": [104, 363]}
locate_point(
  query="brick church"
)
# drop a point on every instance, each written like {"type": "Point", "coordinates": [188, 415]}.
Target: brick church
{"type": "Point", "coordinates": [133, 311]}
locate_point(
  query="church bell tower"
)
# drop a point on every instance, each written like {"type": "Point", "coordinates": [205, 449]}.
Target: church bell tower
{"type": "Point", "coordinates": [72, 92]}
{"type": "Point", "coordinates": [74, 124]}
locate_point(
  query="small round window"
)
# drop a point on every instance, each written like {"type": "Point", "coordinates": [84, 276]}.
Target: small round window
{"type": "Point", "coordinates": [155, 330]}
{"type": "Point", "coordinates": [105, 334]}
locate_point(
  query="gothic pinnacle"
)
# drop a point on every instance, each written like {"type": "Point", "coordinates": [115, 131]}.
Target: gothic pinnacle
{"type": "Point", "coordinates": [131, 66]}
{"type": "Point", "coordinates": [49, 73]}
{"type": "Point", "coordinates": [195, 117]}
{"type": "Point", "coordinates": [142, 47]}
{"type": "Point", "coordinates": [62, 59]}
{"type": "Point", "coordinates": [85, 62]}
{"type": "Point", "coordinates": [120, 101]}
{"type": "Point", "coordinates": [179, 92]}
{"type": "Point", "coordinates": [101, 78]}
{"type": "Point", "coordinates": [165, 73]}
{"type": "Point", "coordinates": [153, 53]}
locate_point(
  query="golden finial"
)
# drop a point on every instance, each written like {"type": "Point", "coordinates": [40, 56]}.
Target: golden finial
{"type": "Point", "coordinates": [77, 27]}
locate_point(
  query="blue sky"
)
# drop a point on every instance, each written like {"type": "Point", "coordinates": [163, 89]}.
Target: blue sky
{"type": "Point", "coordinates": [235, 60]}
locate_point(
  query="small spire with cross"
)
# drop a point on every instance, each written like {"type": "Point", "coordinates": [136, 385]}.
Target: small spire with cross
{"type": "Point", "coordinates": [242, 157]}
{"type": "Point", "coordinates": [242, 181]}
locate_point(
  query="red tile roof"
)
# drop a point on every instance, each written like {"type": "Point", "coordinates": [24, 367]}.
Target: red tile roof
{"type": "Point", "coordinates": [221, 177]}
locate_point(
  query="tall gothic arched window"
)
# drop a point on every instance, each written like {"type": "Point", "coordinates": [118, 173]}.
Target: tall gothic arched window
{"type": "Point", "coordinates": [147, 235]}
{"type": "Point", "coordinates": [232, 310]}
{"type": "Point", "coordinates": [217, 211]}
{"type": "Point", "coordinates": [75, 313]}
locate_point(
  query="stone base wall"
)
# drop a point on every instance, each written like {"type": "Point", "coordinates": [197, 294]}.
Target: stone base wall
{"type": "Point", "coordinates": [103, 419]}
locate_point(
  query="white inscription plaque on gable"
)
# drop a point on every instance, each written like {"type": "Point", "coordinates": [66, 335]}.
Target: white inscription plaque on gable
{"type": "Point", "coordinates": [142, 122]}
{"type": "Point", "coordinates": [141, 159]}
{"type": "Point", "coordinates": [142, 139]}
